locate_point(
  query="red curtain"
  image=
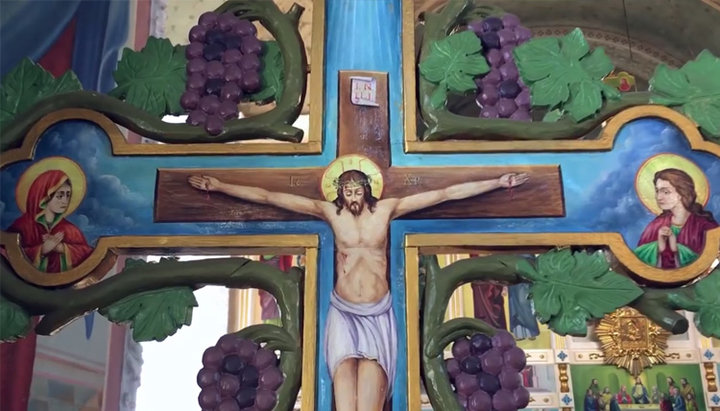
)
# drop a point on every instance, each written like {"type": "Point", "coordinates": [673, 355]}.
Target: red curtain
{"type": "Point", "coordinates": [489, 303]}
{"type": "Point", "coordinates": [17, 359]}
{"type": "Point", "coordinates": [16, 370]}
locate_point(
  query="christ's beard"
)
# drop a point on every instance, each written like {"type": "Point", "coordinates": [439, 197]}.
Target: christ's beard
{"type": "Point", "coordinates": [355, 208]}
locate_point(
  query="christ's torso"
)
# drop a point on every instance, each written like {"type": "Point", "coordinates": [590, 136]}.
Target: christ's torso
{"type": "Point", "coordinates": [361, 257]}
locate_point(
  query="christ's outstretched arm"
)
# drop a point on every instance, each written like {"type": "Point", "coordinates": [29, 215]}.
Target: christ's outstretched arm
{"type": "Point", "coordinates": [419, 201]}
{"type": "Point", "coordinates": [292, 202]}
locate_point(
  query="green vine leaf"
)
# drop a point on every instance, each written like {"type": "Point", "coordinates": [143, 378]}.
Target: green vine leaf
{"type": "Point", "coordinates": [695, 88]}
{"type": "Point", "coordinates": [706, 304]}
{"type": "Point", "coordinates": [564, 73]}
{"type": "Point", "coordinates": [571, 288]}
{"type": "Point", "coordinates": [272, 77]}
{"type": "Point", "coordinates": [14, 321]}
{"type": "Point", "coordinates": [152, 79]}
{"type": "Point", "coordinates": [553, 116]}
{"type": "Point", "coordinates": [156, 314]}
{"type": "Point", "coordinates": [27, 84]}
{"type": "Point", "coordinates": [452, 64]}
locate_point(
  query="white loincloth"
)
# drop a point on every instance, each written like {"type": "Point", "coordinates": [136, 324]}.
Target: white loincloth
{"type": "Point", "coordinates": [357, 330]}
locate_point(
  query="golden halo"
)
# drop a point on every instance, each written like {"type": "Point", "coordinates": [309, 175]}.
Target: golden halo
{"type": "Point", "coordinates": [70, 168]}
{"type": "Point", "coordinates": [351, 162]}
{"type": "Point", "coordinates": [645, 187]}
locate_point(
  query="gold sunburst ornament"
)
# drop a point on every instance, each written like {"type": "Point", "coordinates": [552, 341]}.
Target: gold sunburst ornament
{"type": "Point", "coordinates": [631, 341]}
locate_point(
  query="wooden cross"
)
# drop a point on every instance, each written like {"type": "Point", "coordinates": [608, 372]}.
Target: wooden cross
{"type": "Point", "coordinates": [362, 129]}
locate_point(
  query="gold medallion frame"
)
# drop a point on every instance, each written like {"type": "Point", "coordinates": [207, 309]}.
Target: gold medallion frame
{"type": "Point", "coordinates": [631, 341]}
{"type": "Point", "coordinates": [421, 244]}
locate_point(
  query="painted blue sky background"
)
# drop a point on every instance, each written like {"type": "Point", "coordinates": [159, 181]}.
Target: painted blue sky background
{"type": "Point", "coordinates": [598, 187]}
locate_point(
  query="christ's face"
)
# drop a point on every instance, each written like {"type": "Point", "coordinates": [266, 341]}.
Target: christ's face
{"type": "Point", "coordinates": [59, 202]}
{"type": "Point", "coordinates": [666, 195]}
{"type": "Point", "coordinates": [354, 198]}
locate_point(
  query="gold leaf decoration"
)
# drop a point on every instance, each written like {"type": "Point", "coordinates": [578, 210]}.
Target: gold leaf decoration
{"type": "Point", "coordinates": [631, 341]}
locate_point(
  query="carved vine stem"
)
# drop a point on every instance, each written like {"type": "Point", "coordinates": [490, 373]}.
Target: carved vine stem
{"type": "Point", "coordinates": [275, 124]}
{"type": "Point", "coordinates": [657, 305]}
{"type": "Point", "coordinates": [63, 305]}
{"type": "Point", "coordinates": [444, 125]}
{"type": "Point", "coordinates": [436, 335]}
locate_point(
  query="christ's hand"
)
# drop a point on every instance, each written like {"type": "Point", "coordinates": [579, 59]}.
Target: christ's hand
{"type": "Point", "coordinates": [204, 183]}
{"type": "Point", "coordinates": [512, 180]}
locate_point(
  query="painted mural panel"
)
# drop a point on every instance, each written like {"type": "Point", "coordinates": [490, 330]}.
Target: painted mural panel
{"type": "Point", "coordinates": [665, 387]}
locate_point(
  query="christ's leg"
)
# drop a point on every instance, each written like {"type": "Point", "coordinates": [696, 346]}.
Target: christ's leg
{"type": "Point", "coordinates": [373, 387]}
{"type": "Point", "coordinates": [345, 385]}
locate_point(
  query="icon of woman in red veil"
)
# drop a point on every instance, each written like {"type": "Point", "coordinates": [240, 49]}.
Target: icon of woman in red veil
{"type": "Point", "coordinates": [46, 193]}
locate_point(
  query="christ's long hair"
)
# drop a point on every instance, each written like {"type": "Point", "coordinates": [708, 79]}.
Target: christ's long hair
{"type": "Point", "coordinates": [354, 177]}
{"type": "Point", "coordinates": [684, 185]}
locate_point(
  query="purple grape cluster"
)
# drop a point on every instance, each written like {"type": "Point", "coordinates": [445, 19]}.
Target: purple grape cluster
{"type": "Point", "coordinates": [223, 65]}
{"type": "Point", "coordinates": [501, 92]}
{"type": "Point", "coordinates": [485, 372]}
{"type": "Point", "coordinates": [238, 375]}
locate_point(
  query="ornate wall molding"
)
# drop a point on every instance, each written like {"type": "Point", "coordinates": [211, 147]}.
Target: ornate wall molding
{"type": "Point", "coordinates": [710, 376]}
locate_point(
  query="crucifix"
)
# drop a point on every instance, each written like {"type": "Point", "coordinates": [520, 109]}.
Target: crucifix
{"type": "Point", "coordinates": [358, 195]}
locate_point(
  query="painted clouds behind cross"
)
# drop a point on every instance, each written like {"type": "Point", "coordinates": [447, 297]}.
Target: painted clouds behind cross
{"type": "Point", "coordinates": [109, 206]}
{"type": "Point", "coordinates": [612, 202]}
{"type": "Point", "coordinates": [599, 187]}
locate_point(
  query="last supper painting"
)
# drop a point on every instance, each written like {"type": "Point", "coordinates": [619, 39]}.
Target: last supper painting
{"type": "Point", "coordinates": [359, 205]}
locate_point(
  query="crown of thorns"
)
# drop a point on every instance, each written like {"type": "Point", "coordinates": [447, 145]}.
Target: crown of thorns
{"type": "Point", "coordinates": [351, 182]}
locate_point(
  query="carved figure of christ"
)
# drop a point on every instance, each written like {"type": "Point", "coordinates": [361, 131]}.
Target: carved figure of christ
{"type": "Point", "coordinates": [360, 330]}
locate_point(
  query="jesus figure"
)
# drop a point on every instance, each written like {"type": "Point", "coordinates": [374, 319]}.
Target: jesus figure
{"type": "Point", "coordinates": [360, 331]}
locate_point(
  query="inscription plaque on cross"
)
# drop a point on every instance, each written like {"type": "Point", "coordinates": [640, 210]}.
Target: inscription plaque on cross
{"type": "Point", "coordinates": [358, 195]}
